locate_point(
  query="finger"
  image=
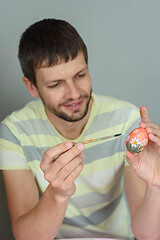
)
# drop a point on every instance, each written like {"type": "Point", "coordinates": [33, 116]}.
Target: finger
{"type": "Point", "coordinates": [68, 156]}
{"type": "Point", "coordinates": [73, 176]}
{"type": "Point", "coordinates": [144, 114]}
{"type": "Point", "coordinates": [154, 135]}
{"type": "Point", "coordinates": [148, 124]}
{"type": "Point", "coordinates": [155, 139]}
{"type": "Point", "coordinates": [53, 152]}
{"type": "Point", "coordinates": [133, 160]}
{"type": "Point", "coordinates": [69, 168]}
{"type": "Point", "coordinates": [153, 131]}
{"type": "Point", "coordinates": [61, 162]}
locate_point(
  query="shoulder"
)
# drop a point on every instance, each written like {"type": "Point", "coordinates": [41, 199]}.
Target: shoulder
{"type": "Point", "coordinates": [118, 115]}
{"type": "Point", "coordinates": [111, 104]}
{"type": "Point", "coordinates": [29, 112]}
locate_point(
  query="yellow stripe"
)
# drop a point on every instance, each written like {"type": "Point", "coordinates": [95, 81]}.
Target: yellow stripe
{"type": "Point", "coordinates": [5, 145]}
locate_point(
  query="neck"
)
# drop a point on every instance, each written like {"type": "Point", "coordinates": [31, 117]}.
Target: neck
{"type": "Point", "coordinates": [69, 130]}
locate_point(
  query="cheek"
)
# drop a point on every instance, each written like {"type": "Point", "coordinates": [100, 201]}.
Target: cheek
{"type": "Point", "coordinates": [89, 81]}
{"type": "Point", "coordinates": [55, 98]}
{"type": "Point", "coordinates": [86, 85]}
{"type": "Point", "coordinates": [52, 99]}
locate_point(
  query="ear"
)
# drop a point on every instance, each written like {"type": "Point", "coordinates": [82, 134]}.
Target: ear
{"type": "Point", "coordinates": [31, 87]}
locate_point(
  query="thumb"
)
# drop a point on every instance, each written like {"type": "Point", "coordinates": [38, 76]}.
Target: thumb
{"type": "Point", "coordinates": [144, 114]}
{"type": "Point", "coordinates": [133, 160]}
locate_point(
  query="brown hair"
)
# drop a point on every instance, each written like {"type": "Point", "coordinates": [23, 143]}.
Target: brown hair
{"type": "Point", "coordinates": [47, 43]}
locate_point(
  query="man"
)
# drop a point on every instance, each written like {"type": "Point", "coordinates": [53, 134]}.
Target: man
{"type": "Point", "coordinates": [42, 150]}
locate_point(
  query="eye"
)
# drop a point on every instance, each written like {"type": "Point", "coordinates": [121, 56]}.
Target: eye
{"type": "Point", "coordinates": [53, 86]}
{"type": "Point", "coordinates": [57, 84]}
{"type": "Point", "coordinates": [80, 76]}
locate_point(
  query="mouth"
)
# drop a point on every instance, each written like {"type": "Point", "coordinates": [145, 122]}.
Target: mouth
{"type": "Point", "coordinates": [73, 105]}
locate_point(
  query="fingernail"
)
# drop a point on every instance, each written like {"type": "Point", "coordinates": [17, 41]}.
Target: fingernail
{"type": "Point", "coordinates": [144, 113]}
{"type": "Point", "coordinates": [69, 144]}
{"type": "Point", "coordinates": [82, 154]}
{"type": "Point", "coordinates": [80, 146]}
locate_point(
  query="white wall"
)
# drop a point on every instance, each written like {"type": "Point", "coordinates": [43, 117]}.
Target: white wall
{"type": "Point", "coordinates": [123, 39]}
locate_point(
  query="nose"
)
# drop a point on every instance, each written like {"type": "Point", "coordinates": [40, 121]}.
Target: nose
{"type": "Point", "coordinates": [72, 91]}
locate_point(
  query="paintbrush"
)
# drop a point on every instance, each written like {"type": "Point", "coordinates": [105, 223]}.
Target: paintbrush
{"type": "Point", "coordinates": [98, 139]}
{"type": "Point", "coordinates": [101, 138]}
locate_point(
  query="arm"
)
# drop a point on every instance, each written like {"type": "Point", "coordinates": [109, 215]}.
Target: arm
{"type": "Point", "coordinates": [142, 185]}
{"type": "Point", "coordinates": [41, 219]}
{"type": "Point", "coordinates": [144, 204]}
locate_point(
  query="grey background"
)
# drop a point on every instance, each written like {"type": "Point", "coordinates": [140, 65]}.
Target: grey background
{"type": "Point", "coordinates": [123, 40]}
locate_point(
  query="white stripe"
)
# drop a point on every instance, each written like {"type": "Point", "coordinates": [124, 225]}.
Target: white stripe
{"type": "Point", "coordinates": [14, 160]}
{"type": "Point", "coordinates": [99, 179]}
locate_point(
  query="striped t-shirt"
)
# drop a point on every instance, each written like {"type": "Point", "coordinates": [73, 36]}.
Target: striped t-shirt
{"type": "Point", "coordinates": [98, 208]}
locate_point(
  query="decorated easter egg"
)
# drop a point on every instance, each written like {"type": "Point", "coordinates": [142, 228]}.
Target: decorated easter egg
{"type": "Point", "coordinates": [136, 140]}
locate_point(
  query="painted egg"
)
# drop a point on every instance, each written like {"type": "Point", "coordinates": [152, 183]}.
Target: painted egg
{"type": "Point", "coordinates": [136, 140]}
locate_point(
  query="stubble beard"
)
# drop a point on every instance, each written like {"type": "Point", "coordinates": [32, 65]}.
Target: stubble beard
{"type": "Point", "coordinates": [57, 112]}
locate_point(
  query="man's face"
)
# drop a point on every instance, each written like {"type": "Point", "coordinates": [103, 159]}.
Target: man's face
{"type": "Point", "coordinates": [65, 89]}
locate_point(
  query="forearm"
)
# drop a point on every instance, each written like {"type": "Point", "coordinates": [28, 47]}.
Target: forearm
{"type": "Point", "coordinates": [44, 220]}
{"type": "Point", "coordinates": [146, 221]}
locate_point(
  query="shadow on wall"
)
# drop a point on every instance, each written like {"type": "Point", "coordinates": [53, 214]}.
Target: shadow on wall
{"type": "Point", "coordinates": [5, 224]}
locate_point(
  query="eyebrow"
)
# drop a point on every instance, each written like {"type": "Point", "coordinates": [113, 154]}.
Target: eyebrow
{"type": "Point", "coordinates": [56, 80]}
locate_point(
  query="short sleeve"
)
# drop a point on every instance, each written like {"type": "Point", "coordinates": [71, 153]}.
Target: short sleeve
{"type": "Point", "coordinates": [11, 153]}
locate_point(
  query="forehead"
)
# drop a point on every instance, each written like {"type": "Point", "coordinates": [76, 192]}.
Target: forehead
{"type": "Point", "coordinates": [62, 70]}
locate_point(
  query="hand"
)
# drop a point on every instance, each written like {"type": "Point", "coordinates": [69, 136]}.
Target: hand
{"type": "Point", "coordinates": [147, 163]}
{"type": "Point", "coordinates": [61, 165]}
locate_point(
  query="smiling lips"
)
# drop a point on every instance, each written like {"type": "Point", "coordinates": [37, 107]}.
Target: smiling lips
{"type": "Point", "coordinates": [73, 105]}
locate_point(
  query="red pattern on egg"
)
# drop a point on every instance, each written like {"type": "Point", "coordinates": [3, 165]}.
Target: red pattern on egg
{"type": "Point", "coordinates": [136, 140]}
